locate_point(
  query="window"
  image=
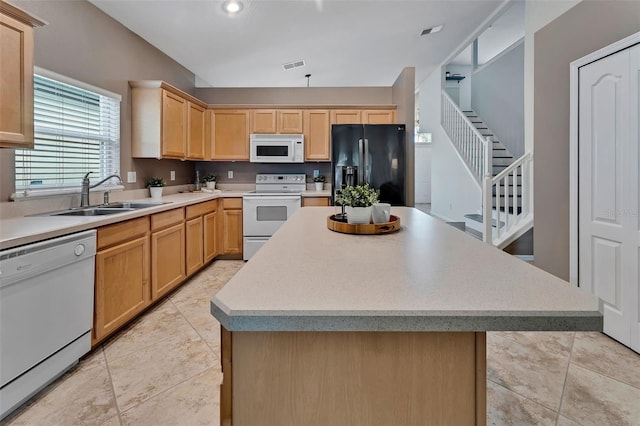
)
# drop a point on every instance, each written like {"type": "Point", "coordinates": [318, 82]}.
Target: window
{"type": "Point", "coordinates": [76, 131]}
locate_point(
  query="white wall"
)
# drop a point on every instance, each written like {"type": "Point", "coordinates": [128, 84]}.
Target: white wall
{"type": "Point", "coordinates": [423, 173]}
{"type": "Point", "coordinates": [454, 192]}
{"type": "Point", "coordinates": [464, 86]}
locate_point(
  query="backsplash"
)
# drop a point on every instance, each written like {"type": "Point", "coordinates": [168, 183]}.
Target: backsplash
{"type": "Point", "coordinates": [244, 172]}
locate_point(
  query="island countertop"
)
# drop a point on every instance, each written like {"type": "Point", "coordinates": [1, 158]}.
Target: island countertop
{"type": "Point", "coordinates": [426, 277]}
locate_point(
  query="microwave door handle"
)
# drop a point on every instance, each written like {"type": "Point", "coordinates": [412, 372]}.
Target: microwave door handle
{"type": "Point", "coordinates": [360, 161]}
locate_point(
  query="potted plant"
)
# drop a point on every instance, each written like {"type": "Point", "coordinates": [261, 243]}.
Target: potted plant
{"type": "Point", "coordinates": [155, 185]}
{"type": "Point", "coordinates": [210, 180]}
{"type": "Point", "coordinates": [358, 201]}
{"type": "Point", "coordinates": [319, 182]}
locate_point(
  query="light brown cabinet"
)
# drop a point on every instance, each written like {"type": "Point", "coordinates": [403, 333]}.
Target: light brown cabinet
{"type": "Point", "coordinates": [167, 251]}
{"type": "Point", "coordinates": [315, 202]}
{"type": "Point", "coordinates": [231, 226]}
{"type": "Point", "coordinates": [165, 122]}
{"type": "Point", "coordinates": [121, 275]}
{"type": "Point", "coordinates": [378, 116]}
{"type": "Point", "coordinates": [16, 76]}
{"type": "Point", "coordinates": [317, 135]}
{"type": "Point", "coordinates": [228, 134]}
{"type": "Point", "coordinates": [346, 116]}
{"type": "Point", "coordinates": [201, 232]}
{"type": "Point", "coordinates": [276, 121]}
{"type": "Point", "coordinates": [195, 132]}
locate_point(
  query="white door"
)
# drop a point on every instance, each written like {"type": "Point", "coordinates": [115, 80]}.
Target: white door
{"type": "Point", "coordinates": [609, 223]}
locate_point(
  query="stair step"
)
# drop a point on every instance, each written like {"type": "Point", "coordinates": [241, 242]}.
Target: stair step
{"type": "Point", "coordinates": [474, 233]}
{"type": "Point", "coordinates": [478, 218]}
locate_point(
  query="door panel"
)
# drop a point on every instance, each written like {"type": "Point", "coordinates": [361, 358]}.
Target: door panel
{"type": "Point", "coordinates": [608, 191]}
{"type": "Point", "coordinates": [384, 158]}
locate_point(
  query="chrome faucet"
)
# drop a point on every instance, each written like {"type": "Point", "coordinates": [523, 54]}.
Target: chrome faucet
{"type": "Point", "coordinates": [86, 186]}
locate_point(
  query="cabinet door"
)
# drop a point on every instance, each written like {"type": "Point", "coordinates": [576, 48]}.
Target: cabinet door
{"type": "Point", "coordinates": [346, 116]}
{"type": "Point", "coordinates": [194, 245]}
{"type": "Point", "coordinates": [381, 116]}
{"type": "Point", "coordinates": [16, 87]}
{"type": "Point", "coordinates": [232, 233]}
{"type": "Point", "coordinates": [317, 135]}
{"type": "Point", "coordinates": [263, 121]}
{"type": "Point", "coordinates": [210, 236]}
{"type": "Point", "coordinates": [230, 134]}
{"type": "Point", "coordinates": [167, 260]}
{"type": "Point", "coordinates": [122, 285]}
{"type": "Point", "coordinates": [174, 122]}
{"type": "Point", "coordinates": [290, 121]}
{"type": "Point", "coordinates": [195, 132]}
{"type": "Point", "coordinates": [315, 201]}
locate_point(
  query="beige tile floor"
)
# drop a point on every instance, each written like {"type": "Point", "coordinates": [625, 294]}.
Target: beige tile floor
{"type": "Point", "coordinates": [163, 369]}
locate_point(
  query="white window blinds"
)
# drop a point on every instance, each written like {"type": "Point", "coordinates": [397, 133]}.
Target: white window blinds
{"type": "Point", "coordinates": [76, 131]}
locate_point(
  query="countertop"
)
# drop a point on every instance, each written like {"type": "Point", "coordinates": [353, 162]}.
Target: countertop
{"type": "Point", "coordinates": [22, 230]}
{"type": "Point", "coordinates": [427, 277]}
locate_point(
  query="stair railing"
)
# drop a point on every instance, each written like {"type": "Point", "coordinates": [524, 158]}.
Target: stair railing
{"type": "Point", "coordinates": [505, 187]}
{"type": "Point", "coordinates": [475, 149]}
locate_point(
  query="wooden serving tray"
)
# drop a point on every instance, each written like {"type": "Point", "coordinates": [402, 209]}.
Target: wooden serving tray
{"type": "Point", "coordinates": [365, 229]}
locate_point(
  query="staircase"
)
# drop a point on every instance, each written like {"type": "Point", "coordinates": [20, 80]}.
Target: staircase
{"type": "Point", "coordinates": [503, 179]}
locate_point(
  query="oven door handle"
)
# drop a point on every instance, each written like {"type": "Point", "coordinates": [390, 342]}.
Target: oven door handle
{"type": "Point", "coordinates": [271, 197]}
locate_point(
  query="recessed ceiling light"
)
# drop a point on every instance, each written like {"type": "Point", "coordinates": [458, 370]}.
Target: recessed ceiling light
{"type": "Point", "coordinates": [232, 6]}
{"type": "Point", "coordinates": [431, 30]}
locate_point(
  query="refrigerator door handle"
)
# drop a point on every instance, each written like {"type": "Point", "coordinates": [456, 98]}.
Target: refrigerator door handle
{"type": "Point", "coordinates": [360, 160]}
{"type": "Point", "coordinates": [366, 161]}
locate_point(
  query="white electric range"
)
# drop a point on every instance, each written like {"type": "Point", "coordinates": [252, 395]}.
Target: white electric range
{"type": "Point", "coordinates": [276, 198]}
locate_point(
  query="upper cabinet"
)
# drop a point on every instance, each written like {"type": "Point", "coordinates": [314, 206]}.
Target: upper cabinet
{"type": "Point", "coordinates": [317, 135]}
{"type": "Point", "coordinates": [16, 76]}
{"type": "Point", "coordinates": [166, 122]}
{"type": "Point", "coordinates": [228, 134]}
{"type": "Point", "coordinates": [346, 116]}
{"type": "Point", "coordinates": [276, 121]}
{"type": "Point", "coordinates": [378, 116]}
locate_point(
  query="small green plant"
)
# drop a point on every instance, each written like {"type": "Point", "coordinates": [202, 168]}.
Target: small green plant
{"type": "Point", "coordinates": [155, 182]}
{"type": "Point", "coordinates": [209, 177]}
{"type": "Point", "coordinates": [358, 196]}
{"type": "Point", "coordinates": [318, 178]}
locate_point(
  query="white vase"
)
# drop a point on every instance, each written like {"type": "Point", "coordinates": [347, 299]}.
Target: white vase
{"type": "Point", "coordinates": [319, 186]}
{"type": "Point", "coordinates": [211, 185]}
{"type": "Point", "coordinates": [156, 192]}
{"type": "Point", "coordinates": [358, 215]}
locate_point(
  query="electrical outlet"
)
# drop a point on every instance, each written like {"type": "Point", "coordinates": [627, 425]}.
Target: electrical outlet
{"type": "Point", "coordinates": [230, 174]}
{"type": "Point", "coordinates": [316, 173]}
{"type": "Point", "coordinates": [172, 174]}
{"type": "Point", "coordinates": [131, 177]}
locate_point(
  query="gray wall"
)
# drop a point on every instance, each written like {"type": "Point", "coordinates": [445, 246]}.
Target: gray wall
{"type": "Point", "coordinates": [587, 27]}
{"type": "Point", "coordinates": [497, 95]}
{"type": "Point", "coordinates": [297, 96]}
{"type": "Point", "coordinates": [84, 43]}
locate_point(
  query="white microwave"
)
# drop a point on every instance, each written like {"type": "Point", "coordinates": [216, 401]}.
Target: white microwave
{"type": "Point", "coordinates": [276, 148]}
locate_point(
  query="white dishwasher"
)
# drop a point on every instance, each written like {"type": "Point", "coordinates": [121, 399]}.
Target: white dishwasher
{"type": "Point", "coordinates": [46, 313]}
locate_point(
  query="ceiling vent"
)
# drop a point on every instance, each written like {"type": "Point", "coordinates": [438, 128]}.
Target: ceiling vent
{"type": "Point", "coordinates": [294, 64]}
{"type": "Point", "coordinates": [431, 30]}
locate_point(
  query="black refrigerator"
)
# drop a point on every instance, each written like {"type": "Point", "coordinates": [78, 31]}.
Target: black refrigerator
{"type": "Point", "coordinates": [369, 153]}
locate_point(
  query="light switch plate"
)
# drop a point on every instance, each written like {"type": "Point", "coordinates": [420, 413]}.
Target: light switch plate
{"type": "Point", "coordinates": [230, 174]}
{"type": "Point", "coordinates": [131, 177]}
{"type": "Point", "coordinates": [172, 175]}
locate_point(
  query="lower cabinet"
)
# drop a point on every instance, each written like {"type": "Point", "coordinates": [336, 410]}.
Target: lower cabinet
{"type": "Point", "coordinates": [167, 251]}
{"type": "Point", "coordinates": [122, 275]}
{"type": "Point", "coordinates": [232, 226]}
{"type": "Point", "coordinates": [315, 202]}
{"type": "Point", "coordinates": [194, 244]}
{"type": "Point", "coordinates": [211, 231]}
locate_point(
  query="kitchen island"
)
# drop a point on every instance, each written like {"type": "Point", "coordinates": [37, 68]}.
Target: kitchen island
{"type": "Point", "coordinates": [324, 328]}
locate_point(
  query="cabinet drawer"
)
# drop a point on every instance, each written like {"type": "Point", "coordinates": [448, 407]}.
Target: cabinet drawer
{"type": "Point", "coordinates": [123, 231]}
{"type": "Point", "coordinates": [232, 203]}
{"type": "Point", "coordinates": [201, 209]}
{"type": "Point", "coordinates": [315, 201]}
{"type": "Point", "coordinates": [164, 219]}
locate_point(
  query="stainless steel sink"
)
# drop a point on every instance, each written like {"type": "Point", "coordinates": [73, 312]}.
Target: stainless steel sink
{"type": "Point", "coordinates": [91, 211]}
{"type": "Point", "coordinates": [103, 210]}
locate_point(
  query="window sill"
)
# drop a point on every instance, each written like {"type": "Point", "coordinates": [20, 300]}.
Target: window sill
{"type": "Point", "coordinates": [30, 194]}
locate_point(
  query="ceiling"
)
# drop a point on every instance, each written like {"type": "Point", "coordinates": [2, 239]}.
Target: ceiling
{"type": "Point", "coordinates": [344, 43]}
